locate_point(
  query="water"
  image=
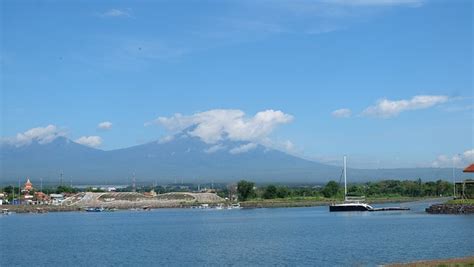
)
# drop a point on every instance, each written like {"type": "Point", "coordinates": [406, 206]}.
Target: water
{"type": "Point", "coordinates": [283, 236]}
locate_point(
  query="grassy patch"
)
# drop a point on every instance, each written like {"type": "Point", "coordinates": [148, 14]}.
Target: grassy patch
{"type": "Point", "coordinates": [461, 201]}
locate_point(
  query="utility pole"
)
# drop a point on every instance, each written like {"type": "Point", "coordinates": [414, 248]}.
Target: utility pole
{"type": "Point", "coordinates": [454, 180]}
{"type": "Point", "coordinates": [134, 185]}
{"type": "Point", "coordinates": [19, 192]}
{"type": "Point", "coordinates": [61, 178]}
{"type": "Point", "coordinates": [41, 184]}
{"type": "Point", "coordinates": [345, 178]}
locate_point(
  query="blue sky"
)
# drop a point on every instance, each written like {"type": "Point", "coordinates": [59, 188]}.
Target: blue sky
{"type": "Point", "coordinates": [76, 64]}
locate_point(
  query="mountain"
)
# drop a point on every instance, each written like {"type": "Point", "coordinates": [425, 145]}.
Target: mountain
{"type": "Point", "coordinates": [185, 158]}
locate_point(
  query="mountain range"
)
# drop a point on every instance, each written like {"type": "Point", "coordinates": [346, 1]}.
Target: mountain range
{"type": "Point", "coordinates": [184, 158]}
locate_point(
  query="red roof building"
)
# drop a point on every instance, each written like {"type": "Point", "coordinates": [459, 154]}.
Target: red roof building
{"type": "Point", "coordinates": [469, 168]}
{"type": "Point", "coordinates": [40, 196]}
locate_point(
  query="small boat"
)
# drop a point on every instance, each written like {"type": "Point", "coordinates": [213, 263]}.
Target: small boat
{"type": "Point", "coordinates": [234, 206]}
{"type": "Point", "coordinates": [350, 207]}
{"type": "Point", "coordinates": [147, 208]}
{"type": "Point", "coordinates": [350, 204]}
{"type": "Point", "coordinates": [41, 210]}
{"type": "Point", "coordinates": [111, 209]}
{"type": "Point", "coordinates": [96, 209]}
{"type": "Point", "coordinates": [6, 212]}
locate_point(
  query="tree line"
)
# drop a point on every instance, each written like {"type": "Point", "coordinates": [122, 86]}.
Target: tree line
{"type": "Point", "coordinates": [387, 188]}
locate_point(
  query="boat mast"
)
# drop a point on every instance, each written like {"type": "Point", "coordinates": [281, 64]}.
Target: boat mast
{"type": "Point", "coordinates": [454, 182]}
{"type": "Point", "coordinates": [345, 178]}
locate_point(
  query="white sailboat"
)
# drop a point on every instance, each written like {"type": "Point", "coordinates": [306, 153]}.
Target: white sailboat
{"type": "Point", "coordinates": [350, 203]}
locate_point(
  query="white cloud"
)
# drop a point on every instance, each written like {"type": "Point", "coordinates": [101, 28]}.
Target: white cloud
{"type": "Point", "coordinates": [386, 108]}
{"type": "Point", "coordinates": [116, 13]}
{"type": "Point", "coordinates": [243, 148]}
{"type": "Point", "coordinates": [459, 160]}
{"type": "Point", "coordinates": [105, 125]}
{"type": "Point", "coordinates": [42, 135]}
{"type": "Point", "coordinates": [92, 141]}
{"type": "Point", "coordinates": [217, 125]}
{"type": "Point", "coordinates": [215, 148]}
{"type": "Point", "coordinates": [342, 113]}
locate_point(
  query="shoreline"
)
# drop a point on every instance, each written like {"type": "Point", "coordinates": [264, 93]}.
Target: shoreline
{"type": "Point", "coordinates": [39, 209]}
{"type": "Point", "coordinates": [278, 203]}
{"type": "Point", "coordinates": [285, 203]}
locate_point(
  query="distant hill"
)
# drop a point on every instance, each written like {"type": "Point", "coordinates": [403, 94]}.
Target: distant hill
{"type": "Point", "coordinates": [183, 158]}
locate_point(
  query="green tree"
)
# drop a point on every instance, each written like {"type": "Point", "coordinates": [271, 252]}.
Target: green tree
{"type": "Point", "coordinates": [270, 192]}
{"type": "Point", "coordinates": [282, 192]}
{"type": "Point", "coordinates": [9, 189]}
{"type": "Point", "coordinates": [65, 189]}
{"type": "Point", "coordinates": [331, 189]}
{"type": "Point", "coordinates": [245, 189]}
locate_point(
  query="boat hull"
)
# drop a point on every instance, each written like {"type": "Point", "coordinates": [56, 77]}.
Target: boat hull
{"type": "Point", "coordinates": [339, 208]}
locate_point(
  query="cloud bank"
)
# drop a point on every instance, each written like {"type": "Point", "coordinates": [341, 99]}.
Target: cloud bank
{"type": "Point", "coordinates": [385, 108]}
{"type": "Point", "coordinates": [106, 125]}
{"type": "Point", "coordinates": [215, 148]}
{"type": "Point", "coordinates": [460, 160]}
{"type": "Point", "coordinates": [91, 141]}
{"type": "Point", "coordinates": [243, 148]}
{"type": "Point", "coordinates": [342, 113]}
{"type": "Point", "coordinates": [218, 125]}
{"type": "Point", "coordinates": [42, 135]}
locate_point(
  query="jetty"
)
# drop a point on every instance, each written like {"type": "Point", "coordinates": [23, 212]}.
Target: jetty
{"type": "Point", "coordinates": [389, 209]}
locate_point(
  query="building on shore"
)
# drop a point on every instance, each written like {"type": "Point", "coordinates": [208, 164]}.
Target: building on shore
{"type": "Point", "coordinates": [56, 199]}
{"type": "Point", "coordinates": [3, 198]}
{"type": "Point", "coordinates": [466, 187]}
{"type": "Point", "coordinates": [27, 189]}
{"type": "Point", "coordinates": [469, 168]}
{"type": "Point", "coordinates": [41, 198]}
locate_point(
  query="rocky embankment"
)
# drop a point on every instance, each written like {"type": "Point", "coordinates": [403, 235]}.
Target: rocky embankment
{"type": "Point", "coordinates": [137, 200]}
{"type": "Point", "coordinates": [451, 209]}
{"type": "Point", "coordinates": [39, 208]}
{"type": "Point", "coordinates": [122, 200]}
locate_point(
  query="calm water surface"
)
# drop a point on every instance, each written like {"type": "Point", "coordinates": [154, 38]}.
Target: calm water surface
{"type": "Point", "coordinates": [284, 236]}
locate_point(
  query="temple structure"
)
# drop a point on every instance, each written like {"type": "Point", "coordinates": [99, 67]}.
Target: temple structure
{"type": "Point", "coordinates": [28, 186]}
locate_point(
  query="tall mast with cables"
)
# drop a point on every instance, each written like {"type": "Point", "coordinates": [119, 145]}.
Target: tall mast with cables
{"type": "Point", "coordinates": [345, 177]}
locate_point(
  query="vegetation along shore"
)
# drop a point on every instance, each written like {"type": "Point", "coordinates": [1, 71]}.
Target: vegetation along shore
{"type": "Point", "coordinates": [247, 193]}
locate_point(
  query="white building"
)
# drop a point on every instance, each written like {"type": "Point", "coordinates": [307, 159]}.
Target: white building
{"type": "Point", "coordinates": [56, 199]}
